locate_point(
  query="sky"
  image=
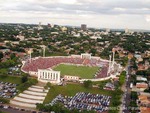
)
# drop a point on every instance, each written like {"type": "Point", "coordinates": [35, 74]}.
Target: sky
{"type": "Point", "coordinates": [131, 14]}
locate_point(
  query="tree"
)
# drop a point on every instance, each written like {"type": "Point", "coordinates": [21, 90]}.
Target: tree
{"type": "Point", "coordinates": [134, 95]}
{"type": "Point", "coordinates": [87, 84]}
{"type": "Point", "coordinates": [125, 60]}
{"type": "Point", "coordinates": [24, 79]}
{"type": "Point", "coordinates": [147, 90]}
{"type": "Point", "coordinates": [122, 78]}
{"type": "Point", "coordinates": [1, 55]}
{"type": "Point", "coordinates": [12, 56]}
{"type": "Point", "coordinates": [48, 85]}
{"type": "Point", "coordinates": [93, 51]}
{"type": "Point", "coordinates": [141, 72]}
{"type": "Point", "coordinates": [148, 72]}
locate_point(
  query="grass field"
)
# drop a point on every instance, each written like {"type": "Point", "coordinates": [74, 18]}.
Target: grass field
{"type": "Point", "coordinates": [81, 71]}
{"type": "Point", "coordinates": [71, 90]}
{"type": "Point", "coordinates": [11, 79]}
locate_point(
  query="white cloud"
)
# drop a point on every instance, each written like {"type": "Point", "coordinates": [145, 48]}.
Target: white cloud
{"type": "Point", "coordinates": [68, 1]}
{"type": "Point", "coordinates": [98, 13]}
{"type": "Point", "coordinates": [147, 18]}
{"type": "Point", "coordinates": [119, 9]}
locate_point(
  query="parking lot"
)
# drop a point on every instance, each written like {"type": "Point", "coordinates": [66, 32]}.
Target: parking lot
{"type": "Point", "coordinates": [84, 101]}
{"type": "Point", "coordinates": [7, 90]}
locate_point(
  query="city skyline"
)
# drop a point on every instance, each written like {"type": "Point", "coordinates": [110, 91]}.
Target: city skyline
{"type": "Point", "coordinates": [133, 14]}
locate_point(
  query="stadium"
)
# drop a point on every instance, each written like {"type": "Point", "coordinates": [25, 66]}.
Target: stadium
{"type": "Point", "coordinates": [74, 68]}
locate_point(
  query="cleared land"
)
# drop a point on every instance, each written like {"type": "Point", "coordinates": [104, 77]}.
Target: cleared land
{"type": "Point", "coordinates": [81, 71]}
{"type": "Point", "coordinates": [71, 90]}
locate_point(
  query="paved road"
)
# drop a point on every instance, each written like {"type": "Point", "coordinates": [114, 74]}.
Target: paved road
{"type": "Point", "coordinates": [9, 110]}
{"type": "Point", "coordinates": [127, 93]}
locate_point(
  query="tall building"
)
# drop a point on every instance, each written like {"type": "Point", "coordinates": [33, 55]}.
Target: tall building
{"type": "Point", "coordinates": [83, 27]}
{"type": "Point", "coordinates": [107, 30]}
{"type": "Point", "coordinates": [126, 30]}
{"type": "Point", "coordinates": [40, 26]}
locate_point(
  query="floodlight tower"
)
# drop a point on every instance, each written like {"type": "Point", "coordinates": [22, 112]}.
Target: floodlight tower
{"type": "Point", "coordinates": [30, 53]}
{"type": "Point", "coordinates": [113, 62]}
{"type": "Point", "coordinates": [109, 68]}
{"type": "Point", "coordinates": [44, 47]}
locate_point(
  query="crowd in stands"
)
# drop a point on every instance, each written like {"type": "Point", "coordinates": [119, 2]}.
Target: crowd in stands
{"type": "Point", "coordinates": [102, 73]}
{"type": "Point", "coordinates": [44, 63]}
{"type": "Point", "coordinates": [49, 62]}
{"type": "Point", "coordinates": [84, 101]}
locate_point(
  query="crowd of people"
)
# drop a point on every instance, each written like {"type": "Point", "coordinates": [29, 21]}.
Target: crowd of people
{"type": "Point", "coordinates": [84, 101]}
{"type": "Point", "coordinates": [7, 90]}
{"type": "Point", "coordinates": [102, 73]}
{"type": "Point", "coordinates": [49, 62]}
{"type": "Point", "coordinates": [44, 63]}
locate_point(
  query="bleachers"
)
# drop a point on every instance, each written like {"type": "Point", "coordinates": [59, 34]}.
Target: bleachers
{"type": "Point", "coordinates": [44, 63]}
{"type": "Point", "coordinates": [102, 73]}
{"type": "Point", "coordinates": [34, 93]}
{"type": "Point", "coordinates": [49, 62]}
{"type": "Point", "coordinates": [29, 105]}
{"type": "Point", "coordinates": [36, 89]}
{"type": "Point", "coordinates": [30, 97]}
{"type": "Point", "coordinates": [28, 100]}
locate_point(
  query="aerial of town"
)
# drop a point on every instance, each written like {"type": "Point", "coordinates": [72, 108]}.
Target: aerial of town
{"type": "Point", "coordinates": [60, 68]}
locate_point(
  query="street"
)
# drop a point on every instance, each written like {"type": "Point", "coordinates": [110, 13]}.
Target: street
{"type": "Point", "coordinates": [127, 91]}
{"type": "Point", "coordinates": [9, 110]}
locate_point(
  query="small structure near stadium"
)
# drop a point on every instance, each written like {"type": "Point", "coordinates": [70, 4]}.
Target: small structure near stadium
{"type": "Point", "coordinates": [71, 78]}
{"type": "Point", "coordinates": [48, 75]}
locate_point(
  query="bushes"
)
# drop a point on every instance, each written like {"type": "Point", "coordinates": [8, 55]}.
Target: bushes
{"type": "Point", "coordinates": [27, 84]}
{"type": "Point", "coordinates": [115, 102]}
{"type": "Point", "coordinates": [102, 84]}
{"type": "Point", "coordinates": [134, 95]}
{"type": "Point", "coordinates": [1, 112]}
{"type": "Point", "coordinates": [24, 79]}
{"type": "Point", "coordinates": [4, 101]}
{"type": "Point", "coordinates": [147, 90]}
{"type": "Point", "coordinates": [133, 79]}
{"type": "Point", "coordinates": [87, 84]}
{"type": "Point", "coordinates": [141, 72]}
{"type": "Point", "coordinates": [58, 108]}
{"type": "Point", "coordinates": [116, 95]}
{"type": "Point", "coordinates": [122, 78]}
{"type": "Point", "coordinates": [133, 103]}
{"type": "Point", "coordinates": [48, 85]}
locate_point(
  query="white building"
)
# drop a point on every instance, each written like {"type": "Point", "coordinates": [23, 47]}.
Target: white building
{"type": "Point", "coordinates": [71, 78]}
{"type": "Point", "coordinates": [86, 56]}
{"type": "Point", "coordinates": [48, 75]}
{"type": "Point", "coordinates": [140, 78]}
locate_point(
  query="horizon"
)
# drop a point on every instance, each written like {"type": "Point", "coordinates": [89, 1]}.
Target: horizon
{"type": "Point", "coordinates": [112, 14]}
{"type": "Point", "coordinates": [102, 28]}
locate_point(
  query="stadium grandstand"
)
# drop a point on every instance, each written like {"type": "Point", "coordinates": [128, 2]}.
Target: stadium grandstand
{"type": "Point", "coordinates": [32, 65]}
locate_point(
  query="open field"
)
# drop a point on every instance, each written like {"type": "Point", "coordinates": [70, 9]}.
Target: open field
{"type": "Point", "coordinates": [81, 71]}
{"type": "Point", "coordinates": [11, 79]}
{"type": "Point", "coordinates": [71, 90]}
{"type": "Point", "coordinates": [18, 80]}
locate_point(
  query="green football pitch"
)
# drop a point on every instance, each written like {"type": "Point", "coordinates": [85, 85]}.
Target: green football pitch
{"type": "Point", "coordinates": [83, 72]}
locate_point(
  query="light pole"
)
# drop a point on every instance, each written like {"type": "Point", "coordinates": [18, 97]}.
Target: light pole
{"type": "Point", "coordinates": [30, 53]}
